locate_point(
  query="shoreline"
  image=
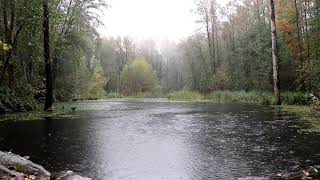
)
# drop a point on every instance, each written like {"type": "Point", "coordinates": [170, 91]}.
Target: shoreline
{"type": "Point", "coordinates": [66, 109]}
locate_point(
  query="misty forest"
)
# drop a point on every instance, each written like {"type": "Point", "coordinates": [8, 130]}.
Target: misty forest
{"type": "Point", "coordinates": [241, 90]}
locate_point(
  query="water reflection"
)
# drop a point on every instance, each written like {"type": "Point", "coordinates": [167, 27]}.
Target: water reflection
{"type": "Point", "coordinates": [161, 140]}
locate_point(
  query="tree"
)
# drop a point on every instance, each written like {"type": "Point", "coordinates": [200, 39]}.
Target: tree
{"type": "Point", "coordinates": [11, 33]}
{"type": "Point", "coordinates": [96, 88]}
{"type": "Point", "coordinates": [47, 60]}
{"type": "Point", "coordinates": [136, 77]}
{"type": "Point", "coordinates": [207, 10]}
{"type": "Point", "coordinates": [30, 49]}
{"type": "Point", "coordinates": [275, 65]}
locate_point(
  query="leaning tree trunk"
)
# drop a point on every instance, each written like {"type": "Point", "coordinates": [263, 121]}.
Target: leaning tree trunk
{"type": "Point", "coordinates": [47, 60]}
{"type": "Point", "coordinates": [276, 82]}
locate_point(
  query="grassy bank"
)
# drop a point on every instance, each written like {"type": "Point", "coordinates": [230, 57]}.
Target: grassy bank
{"type": "Point", "coordinates": [138, 95]}
{"type": "Point", "coordinates": [61, 110]}
{"type": "Point", "coordinates": [185, 96]}
{"type": "Point", "coordinates": [223, 96]}
{"type": "Point", "coordinates": [252, 97]}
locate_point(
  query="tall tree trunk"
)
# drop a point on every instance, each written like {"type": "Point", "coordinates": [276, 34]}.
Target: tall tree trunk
{"type": "Point", "coordinates": [6, 40]}
{"type": "Point", "coordinates": [47, 60]}
{"type": "Point", "coordinates": [10, 38]}
{"type": "Point", "coordinates": [298, 32]}
{"type": "Point", "coordinates": [233, 50]}
{"type": "Point", "coordinates": [204, 66]}
{"type": "Point", "coordinates": [300, 67]}
{"type": "Point", "coordinates": [211, 56]}
{"type": "Point", "coordinates": [217, 51]}
{"type": "Point", "coordinates": [306, 8]}
{"type": "Point", "coordinates": [213, 36]}
{"type": "Point", "coordinates": [276, 82]}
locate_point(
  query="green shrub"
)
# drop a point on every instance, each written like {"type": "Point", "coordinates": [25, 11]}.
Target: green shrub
{"type": "Point", "coordinates": [298, 98]}
{"type": "Point", "coordinates": [137, 76]}
{"type": "Point", "coordinates": [185, 96]}
{"type": "Point", "coordinates": [266, 99]}
{"type": "Point", "coordinates": [20, 100]}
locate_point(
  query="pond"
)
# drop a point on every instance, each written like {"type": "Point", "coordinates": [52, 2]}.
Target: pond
{"type": "Point", "coordinates": [156, 139]}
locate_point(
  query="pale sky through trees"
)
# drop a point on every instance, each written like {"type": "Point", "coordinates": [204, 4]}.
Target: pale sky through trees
{"type": "Point", "coordinates": [158, 19]}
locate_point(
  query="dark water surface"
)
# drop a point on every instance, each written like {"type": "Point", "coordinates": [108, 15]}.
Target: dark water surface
{"type": "Point", "coordinates": [150, 140]}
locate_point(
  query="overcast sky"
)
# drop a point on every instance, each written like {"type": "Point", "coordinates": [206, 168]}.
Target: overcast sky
{"type": "Point", "coordinates": [158, 19]}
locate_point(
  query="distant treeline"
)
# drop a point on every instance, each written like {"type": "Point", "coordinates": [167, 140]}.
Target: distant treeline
{"type": "Point", "coordinates": [231, 50]}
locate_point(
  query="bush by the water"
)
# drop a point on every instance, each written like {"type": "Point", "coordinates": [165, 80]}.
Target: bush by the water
{"type": "Point", "coordinates": [298, 98]}
{"type": "Point", "coordinates": [185, 96]}
{"type": "Point", "coordinates": [21, 100]}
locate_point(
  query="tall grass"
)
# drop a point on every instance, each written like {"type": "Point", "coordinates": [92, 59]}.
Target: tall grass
{"type": "Point", "coordinates": [264, 98]}
{"type": "Point", "coordinates": [254, 97]}
{"type": "Point", "coordinates": [185, 96]}
{"type": "Point", "coordinates": [298, 98]}
{"type": "Point", "coordinates": [113, 95]}
{"type": "Point", "coordinates": [137, 95]}
{"type": "Point", "coordinates": [146, 95]}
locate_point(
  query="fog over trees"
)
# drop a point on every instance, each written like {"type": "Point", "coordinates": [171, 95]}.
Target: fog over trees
{"type": "Point", "coordinates": [232, 49]}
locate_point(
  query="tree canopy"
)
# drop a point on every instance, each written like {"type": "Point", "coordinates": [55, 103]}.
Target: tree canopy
{"type": "Point", "coordinates": [230, 50]}
{"type": "Point", "coordinates": [137, 76]}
